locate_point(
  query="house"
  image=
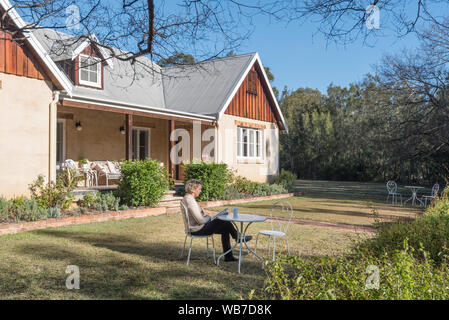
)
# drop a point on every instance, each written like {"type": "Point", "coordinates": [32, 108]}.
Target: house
{"type": "Point", "coordinates": [75, 101]}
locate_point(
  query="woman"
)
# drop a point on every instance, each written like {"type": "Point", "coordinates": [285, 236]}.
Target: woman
{"type": "Point", "coordinates": [201, 224]}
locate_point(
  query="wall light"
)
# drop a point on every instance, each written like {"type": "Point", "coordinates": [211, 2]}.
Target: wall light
{"type": "Point", "coordinates": [122, 130]}
{"type": "Point", "coordinates": [78, 126]}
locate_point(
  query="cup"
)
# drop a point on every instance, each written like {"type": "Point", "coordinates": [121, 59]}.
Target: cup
{"type": "Point", "coordinates": [235, 211]}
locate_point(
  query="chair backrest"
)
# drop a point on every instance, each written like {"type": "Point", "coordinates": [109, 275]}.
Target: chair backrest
{"type": "Point", "coordinates": [185, 217]}
{"type": "Point", "coordinates": [435, 189]}
{"type": "Point", "coordinates": [281, 209]}
{"type": "Point", "coordinates": [70, 164]}
{"type": "Point", "coordinates": [392, 186]}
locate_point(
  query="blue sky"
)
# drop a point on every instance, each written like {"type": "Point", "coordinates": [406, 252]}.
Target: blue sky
{"type": "Point", "coordinates": [298, 56]}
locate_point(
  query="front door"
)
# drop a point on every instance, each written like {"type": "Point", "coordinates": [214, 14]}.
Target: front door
{"type": "Point", "coordinates": [141, 143]}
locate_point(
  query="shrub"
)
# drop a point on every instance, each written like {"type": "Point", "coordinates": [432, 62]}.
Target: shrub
{"type": "Point", "coordinates": [100, 202]}
{"type": "Point", "coordinates": [214, 177]}
{"type": "Point", "coordinates": [244, 186]}
{"type": "Point", "coordinates": [401, 276]}
{"type": "Point", "coordinates": [286, 179]}
{"type": "Point", "coordinates": [265, 189]}
{"type": "Point", "coordinates": [430, 231]}
{"type": "Point", "coordinates": [23, 209]}
{"type": "Point", "coordinates": [231, 193]}
{"type": "Point", "coordinates": [54, 195]}
{"type": "Point", "coordinates": [143, 183]}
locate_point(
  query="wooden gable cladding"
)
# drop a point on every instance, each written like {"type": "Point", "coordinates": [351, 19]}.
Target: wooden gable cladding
{"type": "Point", "coordinates": [251, 100]}
{"type": "Point", "coordinates": [16, 59]}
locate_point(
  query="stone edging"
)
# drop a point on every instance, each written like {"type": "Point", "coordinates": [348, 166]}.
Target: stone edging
{"type": "Point", "coordinates": [13, 228]}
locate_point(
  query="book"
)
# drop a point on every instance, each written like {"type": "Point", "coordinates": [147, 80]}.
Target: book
{"type": "Point", "coordinates": [221, 213]}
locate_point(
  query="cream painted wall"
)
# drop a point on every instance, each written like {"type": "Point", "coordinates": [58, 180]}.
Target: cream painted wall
{"type": "Point", "coordinates": [24, 132]}
{"type": "Point", "coordinates": [260, 171]}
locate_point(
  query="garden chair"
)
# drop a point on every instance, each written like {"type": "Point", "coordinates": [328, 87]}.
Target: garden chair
{"type": "Point", "coordinates": [279, 226]}
{"type": "Point", "coordinates": [392, 189]}
{"type": "Point", "coordinates": [108, 169]}
{"type": "Point", "coordinates": [433, 195]}
{"type": "Point", "coordinates": [185, 214]}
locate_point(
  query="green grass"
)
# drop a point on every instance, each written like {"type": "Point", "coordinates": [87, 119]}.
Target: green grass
{"type": "Point", "coordinates": [139, 258]}
{"type": "Point", "coordinates": [345, 203]}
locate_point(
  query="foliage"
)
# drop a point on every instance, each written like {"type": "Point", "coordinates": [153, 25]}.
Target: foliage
{"type": "Point", "coordinates": [214, 177]}
{"type": "Point", "coordinates": [244, 185]}
{"type": "Point", "coordinates": [265, 189]}
{"type": "Point", "coordinates": [231, 193]}
{"type": "Point", "coordinates": [411, 257]}
{"type": "Point", "coordinates": [100, 202]}
{"type": "Point", "coordinates": [54, 195]}
{"type": "Point", "coordinates": [401, 277]}
{"type": "Point", "coordinates": [143, 182]}
{"type": "Point", "coordinates": [285, 178]}
{"type": "Point", "coordinates": [431, 232]}
{"type": "Point", "coordinates": [351, 134]}
{"type": "Point", "coordinates": [21, 209]}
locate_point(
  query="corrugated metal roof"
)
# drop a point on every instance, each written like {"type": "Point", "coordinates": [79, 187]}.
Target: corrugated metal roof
{"type": "Point", "coordinates": [138, 83]}
{"type": "Point", "coordinates": [203, 88]}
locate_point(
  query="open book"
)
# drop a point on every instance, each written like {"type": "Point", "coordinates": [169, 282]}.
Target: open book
{"type": "Point", "coordinates": [221, 213]}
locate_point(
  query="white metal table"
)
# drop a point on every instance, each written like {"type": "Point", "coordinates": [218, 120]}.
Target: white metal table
{"type": "Point", "coordinates": [242, 218]}
{"type": "Point", "coordinates": [414, 196]}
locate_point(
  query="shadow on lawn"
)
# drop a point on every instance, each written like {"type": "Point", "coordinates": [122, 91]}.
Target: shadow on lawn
{"type": "Point", "coordinates": [122, 267]}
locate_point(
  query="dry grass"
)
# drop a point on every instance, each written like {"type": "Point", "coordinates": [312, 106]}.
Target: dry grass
{"type": "Point", "coordinates": [139, 258]}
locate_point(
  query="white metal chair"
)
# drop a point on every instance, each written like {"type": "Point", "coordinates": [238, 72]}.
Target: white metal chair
{"type": "Point", "coordinates": [433, 195]}
{"type": "Point", "coordinates": [279, 227]}
{"type": "Point", "coordinates": [186, 220]}
{"type": "Point", "coordinates": [392, 189]}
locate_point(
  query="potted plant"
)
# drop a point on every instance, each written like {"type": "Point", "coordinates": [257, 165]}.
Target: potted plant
{"type": "Point", "coordinates": [84, 163]}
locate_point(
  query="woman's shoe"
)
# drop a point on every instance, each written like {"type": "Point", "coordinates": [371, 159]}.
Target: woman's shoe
{"type": "Point", "coordinates": [230, 259]}
{"type": "Point", "coordinates": [247, 238]}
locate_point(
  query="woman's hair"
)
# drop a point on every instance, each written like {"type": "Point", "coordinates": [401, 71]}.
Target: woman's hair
{"type": "Point", "coordinates": [192, 185]}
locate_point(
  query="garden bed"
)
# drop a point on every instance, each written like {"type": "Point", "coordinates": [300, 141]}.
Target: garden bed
{"type": "Point", "coordinates": [11, 228]}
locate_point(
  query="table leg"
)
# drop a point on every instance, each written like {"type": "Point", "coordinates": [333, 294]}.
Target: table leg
{"type": "Point", "coordinates": [243, 240]}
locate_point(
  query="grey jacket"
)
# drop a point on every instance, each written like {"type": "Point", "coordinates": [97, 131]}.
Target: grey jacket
{"type": "Point", "coordinates": [197, 218]}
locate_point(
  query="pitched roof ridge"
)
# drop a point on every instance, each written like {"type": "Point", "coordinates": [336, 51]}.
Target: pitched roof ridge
{"type": "Point", "coordinates": [211, 60]}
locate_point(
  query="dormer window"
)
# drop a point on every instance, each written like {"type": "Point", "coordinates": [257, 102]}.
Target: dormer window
{"type": "Point", "coordinates": [89, 71]}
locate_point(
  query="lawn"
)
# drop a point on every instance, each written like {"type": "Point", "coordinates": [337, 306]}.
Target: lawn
{"type": "Point", "coordinates": [344, 203]}
{"type": "Point", "coordinates": [139, 258]}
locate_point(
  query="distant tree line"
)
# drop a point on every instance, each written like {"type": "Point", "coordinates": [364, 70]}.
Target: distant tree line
{"type": "Point", "coordinates": [370, 131]}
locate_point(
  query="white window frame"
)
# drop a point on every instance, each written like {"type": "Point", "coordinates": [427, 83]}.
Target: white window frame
{"type": "Point", "coordinates": [63, 121]}
{"type": "Point", "coordinates": [254, 145]}
{"type": "Point", "coordinates": [138, 141]}
{"type": "Point", "coordinates": [99, 74]}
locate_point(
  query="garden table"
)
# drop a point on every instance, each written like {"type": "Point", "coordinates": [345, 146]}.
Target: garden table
{"type": "Point", "coordinates": [414, 196]}
{"type": "Point", "coordinates": [242, 218]}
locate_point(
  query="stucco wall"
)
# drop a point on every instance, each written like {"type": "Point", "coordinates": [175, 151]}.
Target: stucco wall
{"type": "Point", "coordinates": [100, 138]}
{"type": "Point", "coordinates": [24, 132]}
{"type": "Point", "coordinates": [262, 170]}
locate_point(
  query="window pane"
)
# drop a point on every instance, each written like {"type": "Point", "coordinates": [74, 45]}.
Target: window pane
{"type": "Point", "coordinates": [251, 143]}
{"type": "Point", "coordinates": [239, 142]}
{"type": "Point", "coordinates": [84, 75]}
{"type": "Point", "coordinates": [259, 143]}
{"type": "Point", "coordinates": [143, 144]}
{"type": "Point", "coordinates": [245, 142]}
{"type": "Point", "coordinates": [135, 154]}
{"type": "Point", "coordinates": [59, 142]}
{"type": "Point", "coordinates": [93, 77]}
{"type": "Point", "coordinates": [84, 63]}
